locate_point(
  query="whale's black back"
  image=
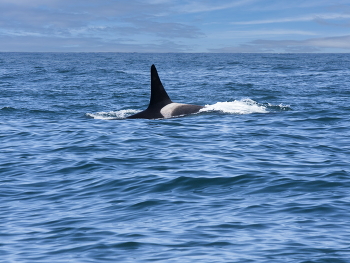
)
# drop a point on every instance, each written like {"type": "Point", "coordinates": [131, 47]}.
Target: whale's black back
{"type": "Point", "coordinates": [159, 99]}
{"type": "Point", "coordinates": [158, 93]}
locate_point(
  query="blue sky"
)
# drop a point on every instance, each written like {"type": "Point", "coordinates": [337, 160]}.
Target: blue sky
{"type": "Point", "coordinates": [175, 26]}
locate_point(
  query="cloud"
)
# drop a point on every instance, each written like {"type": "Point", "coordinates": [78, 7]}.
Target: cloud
{"type": "Point", "coordinates": [167, 29]}
{"type": "Point", "coordinates": [341, 43]}
{"type": "Point", "coordinates": [235, 34]}
{"type": "Point", "coordinates": [61, 15]}
{"type": "Point", "coordinates": [78, 23]}
{"type": "Point", "coordinates": [300, 5]}
{"type": "Point", "coordinates": [171, 26]}
{"type": "Point", "coordinates": [88, 44]}
{"type": "Point", "coordinates": [311, 17]}
{"type": "Point", "coordinates": [209, 6]}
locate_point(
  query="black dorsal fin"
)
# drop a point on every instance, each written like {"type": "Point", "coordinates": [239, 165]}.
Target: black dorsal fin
{"type": "Point", "coordinates": [158, 93]}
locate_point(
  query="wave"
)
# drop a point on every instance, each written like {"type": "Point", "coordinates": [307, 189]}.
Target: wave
{"type": "Point", "coordinates": [280, 107]}
{"type": "Point", "coordinates": [8, 109]}
{"type": "Point", "coordinates": [23, 110]}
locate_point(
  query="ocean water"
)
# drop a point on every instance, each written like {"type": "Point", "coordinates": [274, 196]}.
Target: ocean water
{"type": "Point", "coordinates": [262, 174]}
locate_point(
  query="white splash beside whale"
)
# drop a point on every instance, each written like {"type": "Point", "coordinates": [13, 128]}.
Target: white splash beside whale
{"type": "Point", "coordinates": [245, 106]}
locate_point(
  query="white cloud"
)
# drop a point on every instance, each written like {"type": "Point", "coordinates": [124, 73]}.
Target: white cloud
{"type": "Point", "coordinates": [341, 44]}
{"type": "Point", "coordinates": [236, 34]}
{"type": "Point", "coordinates": [183, 25]}
{"type": "Point", "coordinates": [310, 17]}
{"type": "Point", "coordinates": [201, 6]}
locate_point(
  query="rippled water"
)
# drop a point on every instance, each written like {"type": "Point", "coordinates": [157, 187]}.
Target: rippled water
{"type": "Point", "coordinates": [260, 175]}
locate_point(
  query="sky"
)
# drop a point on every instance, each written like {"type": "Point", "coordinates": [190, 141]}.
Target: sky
{"type": "Point", "coordinates": [271, 26]}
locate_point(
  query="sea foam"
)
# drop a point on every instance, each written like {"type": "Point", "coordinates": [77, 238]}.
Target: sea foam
{"type": "Point", "coordinates": [244, 106]}
{"type": "Point", "coordinates": [112, 115]}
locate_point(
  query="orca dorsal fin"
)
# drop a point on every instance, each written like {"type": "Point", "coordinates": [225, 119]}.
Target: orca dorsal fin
{"type": "Point", "coordinates": [158, 93]}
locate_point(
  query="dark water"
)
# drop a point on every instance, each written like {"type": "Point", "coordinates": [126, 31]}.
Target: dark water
{"type": "Point", "coordinates": [261, 175]}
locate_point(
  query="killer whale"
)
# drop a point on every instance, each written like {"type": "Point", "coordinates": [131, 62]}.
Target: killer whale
{"type": "Point", "coordinates": [160, 105]}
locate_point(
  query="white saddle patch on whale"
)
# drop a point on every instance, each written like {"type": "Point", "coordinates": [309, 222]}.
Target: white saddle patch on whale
{"type": "Point", "coordinates": [167, 111]}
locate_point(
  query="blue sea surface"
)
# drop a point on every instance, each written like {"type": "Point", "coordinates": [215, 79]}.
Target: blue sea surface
{"type": "Point", "coordinates": [262, 174]}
